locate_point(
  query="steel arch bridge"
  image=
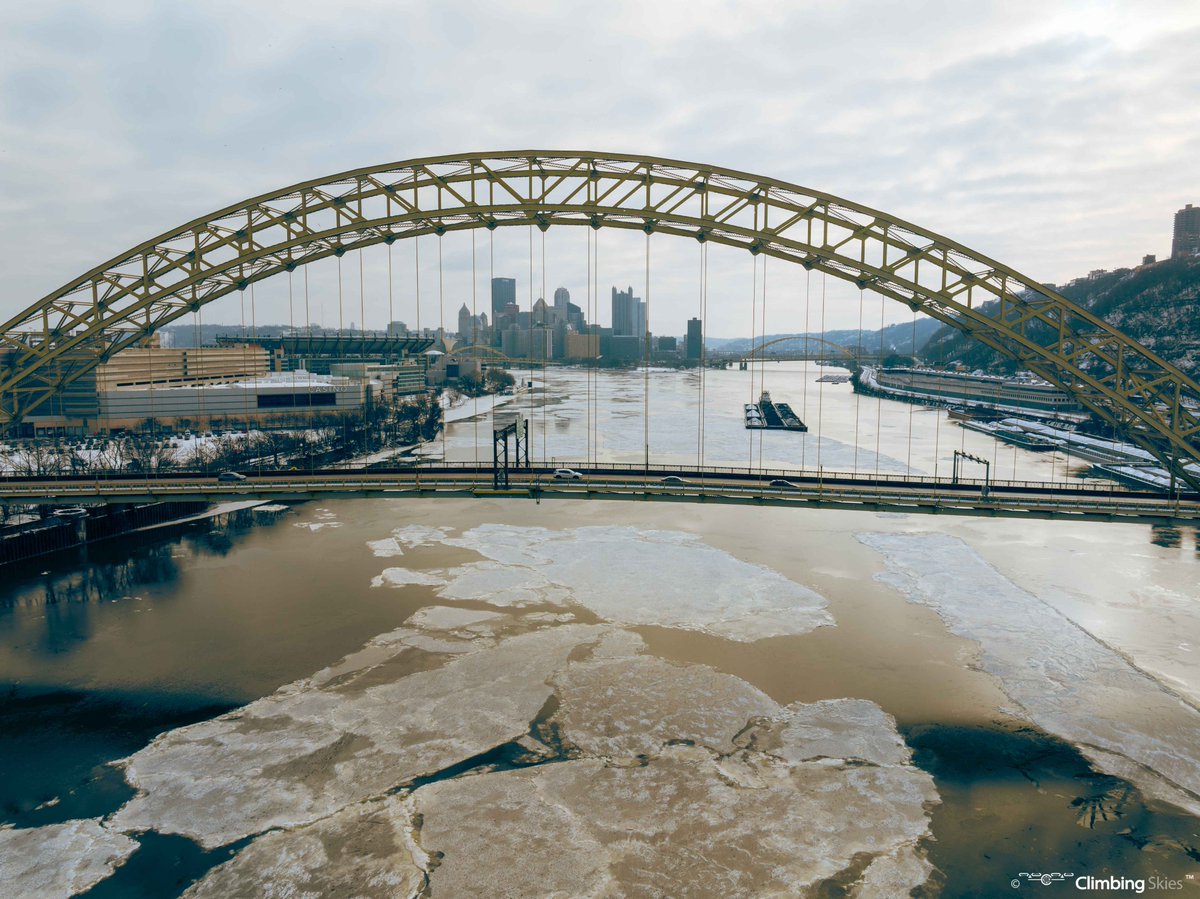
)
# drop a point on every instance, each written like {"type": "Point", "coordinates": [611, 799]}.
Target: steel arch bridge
{"type": "Point", "coordinates": [759, 353]}
{"type": "Point", "coordinates": [114, 305]}
{"type": "Point", "coordinates": [477, 350]}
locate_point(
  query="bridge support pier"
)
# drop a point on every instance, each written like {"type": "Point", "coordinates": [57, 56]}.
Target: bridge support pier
{"type": "Point", "coordinates": [519, 430]}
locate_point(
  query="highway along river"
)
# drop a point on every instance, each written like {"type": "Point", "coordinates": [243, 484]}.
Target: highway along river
{"type": "Point", "coordinates": [500, 697]}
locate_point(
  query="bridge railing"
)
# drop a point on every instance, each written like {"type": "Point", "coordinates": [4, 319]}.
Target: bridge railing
{"type": "Point", "coordinates": [633, 471]}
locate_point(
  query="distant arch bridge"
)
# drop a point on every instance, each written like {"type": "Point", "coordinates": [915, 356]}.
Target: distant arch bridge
{"type": "Point", "coordinates": [58, 338]}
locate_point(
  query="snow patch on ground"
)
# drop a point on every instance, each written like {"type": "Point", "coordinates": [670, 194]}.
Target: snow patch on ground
{"type": "Point", "coordinates": [1066, 681]}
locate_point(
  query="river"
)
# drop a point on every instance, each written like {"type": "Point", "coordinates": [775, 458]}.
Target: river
{"type": "Point", "coordinates": [500, 697]}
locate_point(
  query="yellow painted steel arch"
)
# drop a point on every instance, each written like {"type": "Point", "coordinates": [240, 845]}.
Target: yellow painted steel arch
{"type": "Point", "coordinates": [759, 352]}
{"type": "Point", "coordinates": [78, 326]}
{"type": "Point", "coordinates": [479, 349]}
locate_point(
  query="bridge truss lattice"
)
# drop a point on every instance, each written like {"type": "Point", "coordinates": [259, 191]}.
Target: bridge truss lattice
{"type": "Point", "coordinates": [118, 303]}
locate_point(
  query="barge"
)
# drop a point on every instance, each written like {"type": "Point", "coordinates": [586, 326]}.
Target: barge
{"type": "Point", "coordinates": [766, 415]}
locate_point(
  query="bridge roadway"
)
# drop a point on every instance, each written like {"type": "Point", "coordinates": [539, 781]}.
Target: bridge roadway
{"type": "Point", "coordinates": [1025, 499]}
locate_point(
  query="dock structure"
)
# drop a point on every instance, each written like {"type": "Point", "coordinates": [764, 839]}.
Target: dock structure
{"type": "Point", "coordinates": [766, 415]}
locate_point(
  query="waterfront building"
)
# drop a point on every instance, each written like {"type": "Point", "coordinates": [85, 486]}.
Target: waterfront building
{"type": "Point", "coordinates": [1022, 392]}
{"type": "Point", "coordinates": [1186, 239]}
{"type": "Point", "coordinates": [394, 379]}
{"type": "Point", "coordinates": [504, 293]}
{"type": "Point", "coordinates": [628, 313]}
{"type": "Point", "coordinates": [695, 339]}
{"type": "Point", "coordinates": [582, 346]}
{"type": "Point", "coordinates": [274, 398]}
{"type": "Point", "coordinates": [472, 329]}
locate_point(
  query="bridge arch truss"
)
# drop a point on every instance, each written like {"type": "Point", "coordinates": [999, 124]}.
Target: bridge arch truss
{"type": "Point", "coordinates": [116, 304]}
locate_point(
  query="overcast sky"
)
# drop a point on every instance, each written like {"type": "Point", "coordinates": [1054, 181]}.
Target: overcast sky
{"type": "Point", "coordinates": [1058, 137]}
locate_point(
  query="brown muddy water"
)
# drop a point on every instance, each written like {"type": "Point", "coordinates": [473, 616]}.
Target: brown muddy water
{"type": "Point", "coordinates": [1042, 675]}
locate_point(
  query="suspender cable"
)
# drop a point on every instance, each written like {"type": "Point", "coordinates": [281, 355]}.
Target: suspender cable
{"type": "Point", "coordinates": [753, 348]}
{"type": "Point", "coordinates": [700, 373]}
{"type": "Point", "coordinates": [312, 412]}
{"type": "Point", "coordinates": [646, 371]}
{"type": "Point", "coordinates": [245, 365]}
{"type": "Point", "coordinates": [858, 364]}
{"type": "Point", "coordinates": [295, 419]}
{"type": "Point", "coordinates": [703, 366]}
{"type": "Point", "coordinates": [391, 312]}
{"type": "Point", "coordinates": [912, 406]}
{"type": "Point", "coordinates": [878, 394]}
{"type": "Point", "coordinates": [804, 366]}
{"type": "Point", "coordinates": [595, 325]}
{"type": "Point", "coordinates": [253, 377]}
{"type": "Point", "coordinates": [491, 277]}
{"type": "Point", "coordinates": [200, 355]}
{"type": "Point", "coordinates": [529, 333]}
{"type": "Point", "coordinates": [587, 396]}
{"type": "Point", "coordinates": [821, 380]}
{"type": "Point", "coordinates": [442, 336]}
{"type": "Point", "coordinates": [542, 346]}
{"type": "Point", "coordinates": [474, 338]}
{"type": "Point", "coordinates": [762, 362]}
{"type": "Point", "coordinates": [341, 312]}
{"type": "Point", "coordinates": [362, 305]}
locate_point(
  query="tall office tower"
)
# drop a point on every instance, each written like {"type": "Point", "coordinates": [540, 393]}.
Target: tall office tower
{"type": "Point", "coordinates": [639, 317]}
{"type": "Point", "coordinates": [466, 325]}
{"type": "Point", "coordinates": [695, 339]}
{"type": "Point", "coordinates": [504, 292]}
{"type": "Point", "coordinates": [624, 323]}
{"type": "Point", "coordinates": [1187, 232]}
{"type": "Point", "coordinates": [562, 299]}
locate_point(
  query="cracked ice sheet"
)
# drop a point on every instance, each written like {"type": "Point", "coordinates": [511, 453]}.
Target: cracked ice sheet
{"type": "Point", "coordinates": [1068, 682]}
{"type": "Point", "coordinates": [365, 851]}
{"type": "Point", "coordinates": [315, 746]}
{"type": "Point", "coordinates": [695, 587]}
{"type": "Point", "coordinates": [60, 859]}
{"type": "Point", "coordinates": [685, 823]}
{"type": "Point", "coordinates": [733, 795]}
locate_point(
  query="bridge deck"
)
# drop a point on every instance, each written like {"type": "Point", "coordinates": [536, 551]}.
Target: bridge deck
{"type": "Point", "coordinates": [1008, 499]}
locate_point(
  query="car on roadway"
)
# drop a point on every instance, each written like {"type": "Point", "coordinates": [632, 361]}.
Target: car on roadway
{"type": "Point", "coordinates": [568, 474]}
{"type": "Point", "coordinates": [231, 477]}
{"type": "Point", "coordinates": [672, 479]}
{"type": "Point", "coordinates": [786, 485]}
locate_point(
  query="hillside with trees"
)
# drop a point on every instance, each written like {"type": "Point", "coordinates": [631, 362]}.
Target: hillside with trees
{"type": "Point", "coordinates": [1158, 305]}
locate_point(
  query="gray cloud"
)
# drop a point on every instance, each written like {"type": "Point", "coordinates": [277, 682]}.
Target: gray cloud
{"type": "Point", "coordinates": [1057, 140]}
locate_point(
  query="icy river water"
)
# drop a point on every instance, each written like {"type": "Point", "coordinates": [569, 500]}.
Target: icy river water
{"type": "Point", "coordinates": [582, 698]}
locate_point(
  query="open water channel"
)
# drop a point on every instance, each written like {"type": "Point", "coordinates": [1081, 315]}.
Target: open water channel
{"type": "Point", "coordinates": [573, 698]}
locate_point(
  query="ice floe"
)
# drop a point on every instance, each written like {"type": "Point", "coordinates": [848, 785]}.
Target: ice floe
{"type": "Point", "coordinates": [625, 707]}
{"type": "Point", "coordinates": [403, 577]}
{"type": "Point", "coordinates": [60, 859]}
{"type": "Point", "coordinates": [1064, 679]}
{"type": "Point", "coordinates": [694, 586]}
{"type": "Point", "coordinates": [366, 851]}
{"type": "Point", "coordinates": [677, 825]}
{"type": "Point", "coordinates": [307, 751]}
{"type": "Point", "coordinates": [642, 776]}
